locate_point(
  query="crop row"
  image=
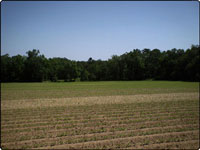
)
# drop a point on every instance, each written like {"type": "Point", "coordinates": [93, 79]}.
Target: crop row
{"type": "Point", "coordinates": [13, 119]}
{"type": "Point", "coordinates": [72, 120]}
{"type": "Point", "coordinates": [135, 125]}
{"type": "Point", "coordinates": [102, 121]}
{"type": "Point", "coordinates": [108, 135]}
{"type": "Point", "coordinates": [69, 130]}
{"type": "Point", "coordinates": [101, 108]}
{"type": "Point", "coordinates": [133, 141]}
{"type": "Point", "coordinates": [188, 144]}
{"type": "Point", "coordinates": [108, 140]}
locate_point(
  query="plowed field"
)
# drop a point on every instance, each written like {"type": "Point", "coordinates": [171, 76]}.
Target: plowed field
{"type": "Point", "coordinates": [161, 120]}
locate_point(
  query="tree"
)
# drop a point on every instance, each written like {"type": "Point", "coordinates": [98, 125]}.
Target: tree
{"type": "Point", "coordinates": [174, 64]}
{"type": "Point", "coordinates": [17, 67]}
{"type": "Point", "coordinates": [6, 68]}
{"type": "Point", "coordinates": [35, 70]}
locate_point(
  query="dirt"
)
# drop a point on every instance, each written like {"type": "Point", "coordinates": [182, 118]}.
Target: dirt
{"type": "Point", "coordinates": [96, 100]}
{"type": "Point", "coordinates": [101, 122]}
{"type": "Point", "coordinates": [74, 119]}
{"type": "Point", "coordinates": [189, 144]}
{"type": "Point", "coordinates": [48, 141]}
{"type": "Point", "coordinates": [92, 144]}
{"type": "Point", "coordinates": [112, 127]}
{"type": "Point", "coordinates": [91, 123]}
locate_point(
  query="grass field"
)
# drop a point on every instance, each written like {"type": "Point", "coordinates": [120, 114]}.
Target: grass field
{"type": "Point", "coordinates": [128, 114]}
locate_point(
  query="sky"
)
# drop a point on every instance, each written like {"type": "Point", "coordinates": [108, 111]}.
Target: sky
{"type": "Point", "coordinates": [98, 29]}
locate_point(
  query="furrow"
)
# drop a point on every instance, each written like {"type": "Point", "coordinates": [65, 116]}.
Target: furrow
{"type": "Point", "coordinates": [189, 144]}
{"type": "Point", "coordinates": [136, 140]}
{"type": "Point", "coordinates": [100, 136]}
{"type": "Point", "coordinates": [90, 119]}
{"type": "Point", "coordinates": [101, 121]}
{"type": "Point", "coordinates": [89, 109]}
{"type": "Point", "coordinates": [78, 130]}
{"type": "Point", "coordinates": [44, 115]}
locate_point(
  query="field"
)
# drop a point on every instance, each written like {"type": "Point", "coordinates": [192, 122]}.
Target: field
{"type": "Point", "coordinates": [128, 114]}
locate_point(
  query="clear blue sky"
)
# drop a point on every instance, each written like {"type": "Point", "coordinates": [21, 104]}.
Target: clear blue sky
{"type": "Point", "coordinates": [98, 29]}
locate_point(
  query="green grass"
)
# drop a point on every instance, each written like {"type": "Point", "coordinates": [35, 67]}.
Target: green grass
{"type": "Point", "coordinates": [14, 91]}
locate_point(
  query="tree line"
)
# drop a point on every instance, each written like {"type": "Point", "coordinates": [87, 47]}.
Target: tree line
{"type": "Point", "coordinates": [174, 64]}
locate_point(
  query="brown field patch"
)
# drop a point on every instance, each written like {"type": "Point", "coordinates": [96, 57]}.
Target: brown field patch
{"type": "Point", "coordinates": [135, 140]}
{"type": "Point", "coordinates": [104, 135]}
{"type": "Point", "coordinates": [96, 100]}
{"type": "Point", "coordinates": [128, 121]}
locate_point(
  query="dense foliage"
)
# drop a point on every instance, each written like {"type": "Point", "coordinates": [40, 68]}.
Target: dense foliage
{"type": "Point", "coordinates": [175, 64]}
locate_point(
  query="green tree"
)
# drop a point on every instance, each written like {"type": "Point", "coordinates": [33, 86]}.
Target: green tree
{"type": "Point", "coordinates": [35, 70]}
